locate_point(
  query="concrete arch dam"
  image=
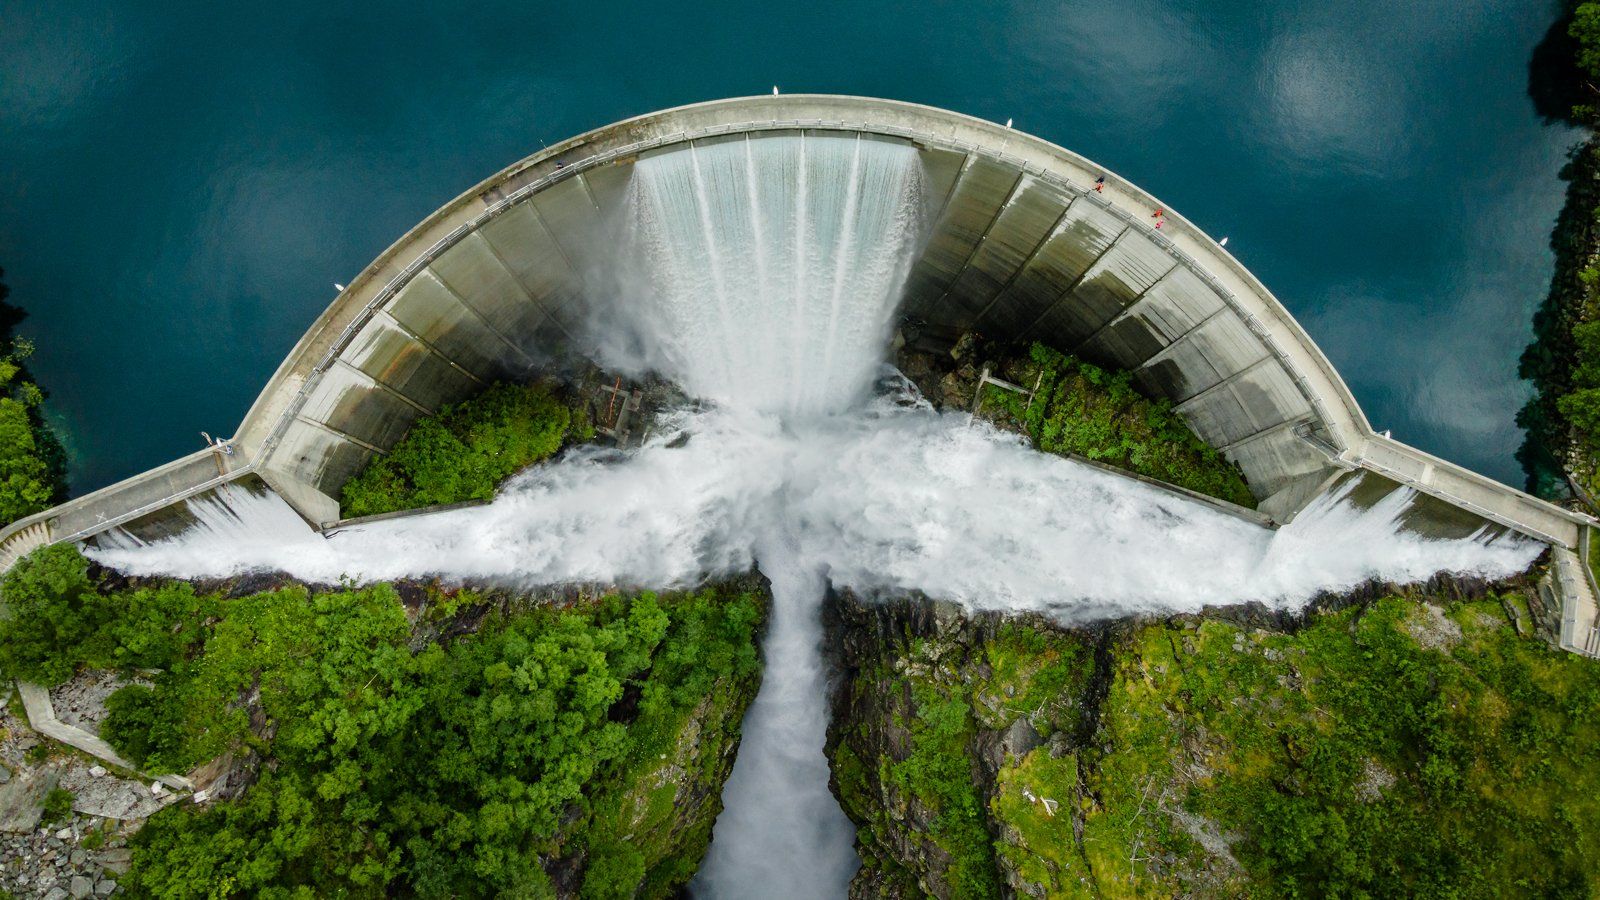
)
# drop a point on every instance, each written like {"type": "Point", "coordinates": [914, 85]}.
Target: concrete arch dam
{"type": "Point", "coordinates": [1019, 245]}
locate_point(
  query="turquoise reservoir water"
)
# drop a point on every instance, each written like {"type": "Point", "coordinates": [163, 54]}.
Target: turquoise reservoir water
{"type": "Point", "coordinates": [179, 190]}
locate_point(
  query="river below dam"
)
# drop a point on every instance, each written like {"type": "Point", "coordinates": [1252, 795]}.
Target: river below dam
{"type": "Point", "coordinates": [183, 185]}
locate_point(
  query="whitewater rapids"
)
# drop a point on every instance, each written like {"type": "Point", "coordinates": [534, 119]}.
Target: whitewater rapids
{"type": "Point", "coordinates": [887, 498]}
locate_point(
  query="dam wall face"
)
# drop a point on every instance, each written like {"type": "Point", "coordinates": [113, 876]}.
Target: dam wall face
{"type": "Point", "coordinates": [504, 282]}
{"type": "Point", "coordinates": [1014, 248]}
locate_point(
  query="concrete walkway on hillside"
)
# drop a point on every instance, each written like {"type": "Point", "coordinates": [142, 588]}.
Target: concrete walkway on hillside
{"type": "Point", "coordinates": [42, 718]}
{"type": "Point", "coordinates": [1580, 614]}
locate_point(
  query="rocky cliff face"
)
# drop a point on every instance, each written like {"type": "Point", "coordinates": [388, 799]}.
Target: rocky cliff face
{"type": "Point", "coordinates": [1385, 741]}
{"type": "Point", "coordinates": [661, 809]}
{"type": "Point", "coordinates": [936, 716]}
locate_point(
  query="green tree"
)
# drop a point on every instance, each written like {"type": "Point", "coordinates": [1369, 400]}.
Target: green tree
{"type": "Point", "coordinates": [463, 452]}
{"type": "Point", "coordinates": [52, 613]}
{"type": "Point", "coordinates": [27, 482]}
{"type": "Point", "coordinates": [33, 464]}
{"type": "Point", "coordinates": [1586, 28]}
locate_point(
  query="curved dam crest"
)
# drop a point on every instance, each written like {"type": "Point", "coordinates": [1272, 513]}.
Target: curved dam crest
{"type": "Point", "coordinates": [1015, 241]}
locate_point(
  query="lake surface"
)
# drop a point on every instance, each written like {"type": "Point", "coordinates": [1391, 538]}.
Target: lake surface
{"type": "Point", "coordinates": [180, 190]}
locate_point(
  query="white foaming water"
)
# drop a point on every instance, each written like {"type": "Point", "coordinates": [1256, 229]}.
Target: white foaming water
{"type": "Point", "coordinates": [774, 264]}
{"type": "Point", "coordinates": [885, 497]}
{"type": "Point", "coordinates": [777, 798]}
{"type": "Point", "coordinates": [772, 267]}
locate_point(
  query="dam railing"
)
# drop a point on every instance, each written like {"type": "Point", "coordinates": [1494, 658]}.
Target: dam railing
{"type": "Point", "coordinates": [120, 503]}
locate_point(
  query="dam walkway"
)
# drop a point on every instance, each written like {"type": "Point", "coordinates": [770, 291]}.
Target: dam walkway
{"type": "Point", "coordinates": [1571, 579]}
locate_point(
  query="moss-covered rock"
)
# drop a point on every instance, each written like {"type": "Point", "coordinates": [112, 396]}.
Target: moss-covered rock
{"type": "Point", "coordinates": [1399, 743]}
{"type": "Point", "coordinates": [935, 712]}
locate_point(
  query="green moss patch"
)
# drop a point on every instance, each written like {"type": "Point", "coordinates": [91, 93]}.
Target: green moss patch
{"type": "Point", "coordinates": [1034, 802]}
{"type": "Point", "coordinates": [1081, 409]}
{"type": "Point", "coordinates": [1395, 748]}
{"type": "Point", "coordinates": [1390, 750]}
{"type": "Point", "coordinates": [906, 760]}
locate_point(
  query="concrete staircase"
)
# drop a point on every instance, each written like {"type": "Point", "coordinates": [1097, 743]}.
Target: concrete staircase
{"type": "Point", "coordinates": [1580, 614]}
{"type": "Point", "coordinates": [18, 545]}
{"type": "Point", "coordinates": [42, 718]}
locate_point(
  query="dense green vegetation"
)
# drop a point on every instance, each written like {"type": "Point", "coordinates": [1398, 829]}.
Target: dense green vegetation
{"type": "Point", "coordinates": [1563, 362]}
{"type": "Point", "coordinates": [1082, 409]}
{"type": "Point", "coordinates": [1584, 28]}
{"type": "Point", "coordinates": [1392, 749]}
{"type": "Point", "coordinates": [1580, 406]}
{"type": "Point", "coordinates": [589, 741]}
{"type": "Point", "coordinates": [1385, 751]}
{"type": "Point", "coordinates": [32, 460]}
{"type": "Point", "coordinates": [1562, 420]}
{"type": "Point", "coordinates": [464, 451]}
{"type": "Point", "coordinates": [922, 816]}
{"type": "Point", "coordinates": [57, 620]}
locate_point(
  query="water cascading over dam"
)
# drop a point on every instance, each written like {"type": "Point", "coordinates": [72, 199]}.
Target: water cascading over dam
{"type": "Point", "coordinates": [778, 304]}
{"type": "Point", "coordinates": [763, 276]}
{"type": "Point", "coordinates": [768, 271]}
{"type": "Point", "coordinates": [1021, 244]}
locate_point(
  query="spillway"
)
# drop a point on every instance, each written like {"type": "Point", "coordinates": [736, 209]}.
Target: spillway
{"type": "Point", "coordinates": [764, 278]}
{"type": "Point", "coordinates": [768, 271]}
{"type": "Point", "coordinates": [885, 497]}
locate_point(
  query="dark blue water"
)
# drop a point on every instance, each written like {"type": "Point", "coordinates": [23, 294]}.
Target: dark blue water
{"type": "Point", "coordinates": [179, 190]}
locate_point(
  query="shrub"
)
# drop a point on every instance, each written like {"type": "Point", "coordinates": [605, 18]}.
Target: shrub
{"type": "Point", "coordinates": [52, 613]}
{"type": "Point", "coordinates": [97, 837]}
{"type": "Point", "coordinates": [1082, 409]}
{"type": "Point", "coordinates": [57, 805]}
{"type": "Point", "coordinates": [463, 452]}
{"type": "Point", "coordinates": [139, 726]}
